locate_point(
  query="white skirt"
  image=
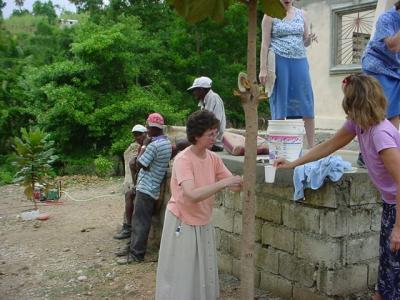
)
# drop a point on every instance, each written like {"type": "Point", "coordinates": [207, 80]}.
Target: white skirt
{"type": "Point", "coordinates": [187, 263]}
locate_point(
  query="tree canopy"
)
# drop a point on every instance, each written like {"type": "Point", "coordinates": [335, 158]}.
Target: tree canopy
{"type": "Point", "coordinates": [88, 84]}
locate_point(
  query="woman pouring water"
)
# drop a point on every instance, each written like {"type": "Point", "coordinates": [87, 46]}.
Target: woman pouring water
{"type": "Point", "coordinates": [283, 55]}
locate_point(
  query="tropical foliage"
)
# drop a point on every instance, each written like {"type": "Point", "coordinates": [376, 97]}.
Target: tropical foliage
{"type": "Point", "coordinates": [34, 156]}
{"type": "Point", "coordinates": [86, 85]}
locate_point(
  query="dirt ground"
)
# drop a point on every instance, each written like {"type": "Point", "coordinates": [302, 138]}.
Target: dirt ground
{"type": "Point", "coordinates": [71, 255]}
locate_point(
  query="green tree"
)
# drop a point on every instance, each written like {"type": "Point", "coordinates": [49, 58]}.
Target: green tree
{"type": "Point", "coordinates": [2, 5]}
{"type": "Point", "coordinates": [44, 9]}
{"type": "Point", "coordinates": [35, 154]}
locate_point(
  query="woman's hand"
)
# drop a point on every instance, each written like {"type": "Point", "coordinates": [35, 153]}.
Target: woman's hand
{"type": "Point", "coordinates": [395, 239]}
{"type": "Point", "coordinates": [312, 37]}
{"type": "Point", "coordinates": [281, 163]}
{"type": "Point", "coordinates": [263, 77]}
{"type": "Point", "coordinates": [236, 184]}
{"type": "Point", "coordinates": [233, 181]}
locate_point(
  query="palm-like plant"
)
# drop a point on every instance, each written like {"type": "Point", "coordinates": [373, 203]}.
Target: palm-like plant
{"type": "Point", "coordinates": [35, 154]}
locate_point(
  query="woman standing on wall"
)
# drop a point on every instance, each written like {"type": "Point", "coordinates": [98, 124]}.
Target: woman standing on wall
{"type": "Point", "coordinates": [187, 263]}
{"type": "Point", "coordinates": [283, 55]}
{"type": "Point", "coordinates": [381, 59]}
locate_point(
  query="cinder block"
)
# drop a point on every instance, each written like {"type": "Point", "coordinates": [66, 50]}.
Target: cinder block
{"type": "Point", "coordinates": [259, 224]}
{"type": "Point", "coordinates": [278, 237]}
{"type": "Point", "coordinates": [276, 285]}
{"type": "Point", "coordinates": [237, 201]}
{"type": "Point", "coordinates": [223, 218]}
{"type": "Point", "coordinates": [229, 199]}
{"type": "Point", "coordinates": [333, 222]}
{"type": "Point", "coordinates": [343, 281]}
{"type": "Point", "coordinates": [269, 209]}
{"type": "Point", "coordinates": [267, 259]}
{"type": "Point", "coordinates": [359, 221]}
{"type": "Point", "coordinates": [362, 248]}
{"type": "Point", "coordinates": [237, 272]}
{"type": "Point", "coordinates": [303, 293]}
{"type": "Point", "coordinates": [315, 249]}
{"type": "Point", "coordinates": [236, 267]}
{"type": "Point", "coordinates": [362, 191]}
{"type": "Point", "coordinates": [372, 273]}
{"type": "Point", "coordinates": [224, 263]}
{"type": "Point", "coordinates": [237, 223]}
{"type": "Point", "coordinates": [300, 217]}
{"type": "Point", "coordinates": [219, 199]}
{"type": "Point", "coordinates": [217, 238]}
{"type": "Point", "coordinates": [376, 218]}
{"type": "Point", "coordinates": [329, 195]}
{"type": "Point", "coordinates": [296, 269]}
{"type": "Point", "coordinates": [236, 243]}
{"type": "Point", "coordinates": [225, 242]}
{"type": "Point", "coordinates": [275, 192]}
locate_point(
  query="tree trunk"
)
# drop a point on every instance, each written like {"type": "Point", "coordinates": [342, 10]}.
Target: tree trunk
{"type": "Point", "coordinates": [250, 102]}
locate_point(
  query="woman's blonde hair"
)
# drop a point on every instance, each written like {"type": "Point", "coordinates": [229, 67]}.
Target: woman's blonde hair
{"type": "Point", "coordinates": [364, 101]}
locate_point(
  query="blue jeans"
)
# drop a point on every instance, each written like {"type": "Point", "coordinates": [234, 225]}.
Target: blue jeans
{"type": "Point", "coordinates": [141, 223]}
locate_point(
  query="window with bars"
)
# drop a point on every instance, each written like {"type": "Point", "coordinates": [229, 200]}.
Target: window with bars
{"type": "Point", "coordinates": [351, 30]}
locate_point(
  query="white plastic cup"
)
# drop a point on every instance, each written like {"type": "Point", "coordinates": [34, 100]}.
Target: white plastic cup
{"type": "Point", "coordinates": [270, 172]}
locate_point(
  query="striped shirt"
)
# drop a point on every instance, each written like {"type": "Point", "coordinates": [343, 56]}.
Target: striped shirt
{"type": "Point", "coordinates": [156, 159]}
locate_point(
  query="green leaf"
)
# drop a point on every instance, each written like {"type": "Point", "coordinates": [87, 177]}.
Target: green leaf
{"type": "Point", "coordinates": [273, 8]}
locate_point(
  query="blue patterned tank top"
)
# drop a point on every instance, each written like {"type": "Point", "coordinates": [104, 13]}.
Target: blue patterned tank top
{"type": "Point", "coordinates": [287, 36]}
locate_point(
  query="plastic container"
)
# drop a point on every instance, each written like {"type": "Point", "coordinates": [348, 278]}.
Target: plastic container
{"type": "Point", "coordinates": [29, 215]}
{"type": "Point", "coordinates": [285, 139]}
{"type": "Point", "coordinates": [270, 172]}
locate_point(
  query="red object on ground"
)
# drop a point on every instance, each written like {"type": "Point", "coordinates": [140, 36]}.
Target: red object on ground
{"type": "Point", "coordinates": [43, 217]}
{"type": "Point", "coordinates": [50, 202]}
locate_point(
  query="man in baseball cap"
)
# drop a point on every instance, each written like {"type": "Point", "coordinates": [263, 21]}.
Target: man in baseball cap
{"type": "Point", "coordinates": [139, 133]}
{"type": "Point", "coordinates": [210, 101]}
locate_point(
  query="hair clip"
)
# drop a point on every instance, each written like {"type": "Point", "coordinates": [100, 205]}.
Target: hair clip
{"type": "Point", "coordinates": [347, 80]}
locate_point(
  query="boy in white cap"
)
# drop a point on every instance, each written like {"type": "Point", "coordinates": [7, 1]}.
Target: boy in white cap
{"type": "Point", "coordinates": [139, 133]}
{"type": "Point", "coordinates": [210, 101]}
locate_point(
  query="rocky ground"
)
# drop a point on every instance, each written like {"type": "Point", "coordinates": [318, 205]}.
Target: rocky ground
{"type": "Point", "coordinates": [71, 255]}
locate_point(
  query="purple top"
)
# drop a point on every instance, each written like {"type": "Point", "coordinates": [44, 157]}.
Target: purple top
{"type": "Point", "coordinates": [377, 57]}
{"type": "Point", "coordinates": [372, 141]}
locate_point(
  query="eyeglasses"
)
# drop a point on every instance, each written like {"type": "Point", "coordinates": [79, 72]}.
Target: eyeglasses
{"type": "Point", "coordinates": [212, 134]}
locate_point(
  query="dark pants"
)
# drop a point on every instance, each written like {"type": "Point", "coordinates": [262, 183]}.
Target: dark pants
{"type": "Point", "coordinates": [389, 262]}
{"type": "Point", "coordinates": [141, 223]}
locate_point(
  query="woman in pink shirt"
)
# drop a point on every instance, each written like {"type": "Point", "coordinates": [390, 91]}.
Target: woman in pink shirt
{"type": "Point", "coordinates": [365, 106]}
{"type": "Point", "coordinates": [187, 263]}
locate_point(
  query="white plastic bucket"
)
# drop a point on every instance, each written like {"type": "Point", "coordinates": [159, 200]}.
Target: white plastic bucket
{"type": "Point", "coordinates": [285, 139]}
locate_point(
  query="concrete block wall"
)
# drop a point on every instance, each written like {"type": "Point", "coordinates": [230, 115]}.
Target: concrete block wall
{"type": "Point", "coordinates": [324, 247]}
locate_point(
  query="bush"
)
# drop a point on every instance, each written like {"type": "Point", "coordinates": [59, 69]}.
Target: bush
{"type": "Point", "coordinates": [104, 166]}
{"type": "Point", "coordinates": [7, 170]}
{"type": "Point", "coordinates": [77, 166]}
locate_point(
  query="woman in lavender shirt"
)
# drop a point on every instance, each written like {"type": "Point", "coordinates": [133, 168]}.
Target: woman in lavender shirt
{"type": "Point", "coordinates": [365, 106]}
